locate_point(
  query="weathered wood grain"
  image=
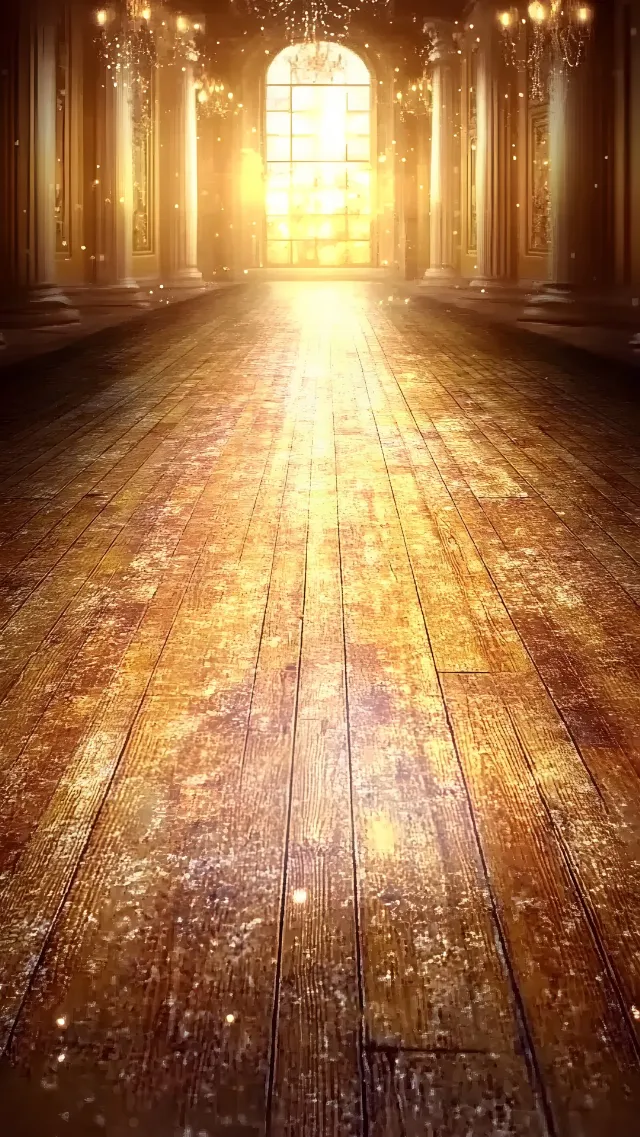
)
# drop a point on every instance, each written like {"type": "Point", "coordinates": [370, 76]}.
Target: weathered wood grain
{"type": "Point", "coordinates": [317, 1087]}
{"type": "Point", "coordinates": [448, 1095]}
{"type": "Point", "coordinates": [319, 731]}
{"type": "Point", "coordinates": [571, 997]}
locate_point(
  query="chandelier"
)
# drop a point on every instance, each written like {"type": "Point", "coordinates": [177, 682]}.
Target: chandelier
{"type": "Point", "coordinates": [312, 20]}
{"type": "Point", "coordinates": [311, 61]}
{"type": "Point", "coordinates": [213, 97]}
{"type": "Point", "coordinates": [128, 32]}
{"type": "Point", "coordinates": [556, 31]}
{"type": "Point", "coordinates": [415, 99]}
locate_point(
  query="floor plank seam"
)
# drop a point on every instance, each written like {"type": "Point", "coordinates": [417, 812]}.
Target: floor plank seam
{"type": "Point", "coordinates": [526, 1037]}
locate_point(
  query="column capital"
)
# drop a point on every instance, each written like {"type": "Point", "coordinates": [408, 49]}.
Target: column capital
{"type": "Point", "coordinates": [483, 20]}
{"type": "Point", "coordinates": [444, 39]}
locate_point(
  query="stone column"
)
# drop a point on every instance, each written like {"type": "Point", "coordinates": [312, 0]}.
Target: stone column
{"type": "Point", "coordinates": [115, 281]}
{"type": "Point", "coordinates": [571, 184]}
{"type": "Point", "coordinates": [487, 153]}
{"type": "Point", "coordinates": [30, 296]}
{"type": "Point", "coordinates": [114, 275]}
{"type": "Point", "coordinates": [441, 195]}
{"type": "Point", "coordinates": [179, 178]}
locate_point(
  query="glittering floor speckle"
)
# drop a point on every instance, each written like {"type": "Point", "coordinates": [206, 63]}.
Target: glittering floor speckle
{"type": "Point", "coordinates": [319, 729]}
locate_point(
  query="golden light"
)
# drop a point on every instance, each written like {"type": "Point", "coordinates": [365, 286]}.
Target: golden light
{"type": "Point", "coordinates": [182, 24]}
{"type": "Point", "coordinates": [146, 13]}
{"type": "Point", "coordinates": [319, 158]}
{"type": "Point", "coordinates": [101, 17]}
{"type": "Point", "coordinates": [537, 12]}
{"type": "Point", "coordinates": [584, 14]}
{"type": "Point", "coordinates": [380, 830]}
{"type": "Point", "coordinates": [505, 19]}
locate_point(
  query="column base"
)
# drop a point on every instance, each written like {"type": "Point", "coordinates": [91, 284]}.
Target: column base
{"type": "Point", "coordinates": [126, 295]}
{"type": "Point", "coordinates": [555, 304]}
{"type": "Point", "coordinates": [482, 284]}
{"type": "Point", "coordinates": [185, 278]}
{"type": "Point", "coordinates": [45, 306]}
{"type": "Point", "coordinates": [443, 277]}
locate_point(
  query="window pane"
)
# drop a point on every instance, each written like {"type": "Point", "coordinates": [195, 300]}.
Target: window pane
{"type": "Point", "coordinates": [359, 228]}
{"type": "Point", "coordinates": [278, 122]}
{"type": "Point", "coordinates": [305, 98]}
{"type": "Point", "coordinates": [278, 175]}
{"type": "Point", "coordinates": [277, 203]}
{"type": "Point", "coordinates": [303, 149]}
{"type": "Point", "coordinates": [359, 252]}
{"type": "Point", "coordinates": [278, 149]}
{"type": "Point", "coordinates": [356, 70]}
{"type": "Point", "coordinates": [317, 192]}
{"type": "Point", "coordinates": [303, 123]}
{"type": "Point", "coordinates": [358, 98]}
{"type": "Point", "coordinates": [280, 70]}
{"type": "Point", "coordinates": [358, 123]}
{"type": "Point", "coordinates": [303, 252]}
{"type": "Point", "coordinates": [329, 200]}
{"type": "Point", "coordinates": [333, 254]}
{"type": "Point", "coordinates": [278, 229]}
{"type": "Point", "coordinates": [278, 98]}
{"type": "Point", "coordinates": [278, 253]}
{"type": "Point", "coordinates": [358, 149]}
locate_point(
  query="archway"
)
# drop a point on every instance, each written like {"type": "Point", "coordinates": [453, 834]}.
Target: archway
{"type": "Point", "coordinates": [318, 158]}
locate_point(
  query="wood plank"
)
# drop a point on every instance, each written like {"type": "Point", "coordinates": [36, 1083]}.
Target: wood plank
{"type": "Point", "coordinates": [456, 1095]}
{"type": "Point", "coordinates": [571, 999]}
{"type": "Point", "coordinates": [468, 625]}
{"type": "Point", "coordinates": [541, 627]}
{"type": "Point", "coordinates": [121, 589]}
{"type": "Point", "coordinates": [317, 1076]}
{"type": "Point", "coordinates": [432, 975]}
{"type": "Point", "coordinates": [31, 898]}
{"type": "Point", "coordinates": [169, 829]}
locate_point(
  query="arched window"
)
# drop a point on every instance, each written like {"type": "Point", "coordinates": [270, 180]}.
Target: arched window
{"type": "Point", "coordinates": [318, 155]}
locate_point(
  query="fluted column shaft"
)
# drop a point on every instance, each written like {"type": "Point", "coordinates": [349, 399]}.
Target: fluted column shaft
{"type": "Point", "coordinates": [115, 272]}
{"type": "Point", "coordinates": [179, 184]}
{"type": "Point", "coordinates": [441, 182]}
{"type": "Point", "coordinates": [487, 157]}
{"type": "Point", "coordinates": [31, 297]}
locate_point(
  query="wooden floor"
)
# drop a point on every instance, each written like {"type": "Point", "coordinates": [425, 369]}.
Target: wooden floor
{"type": "Point", "coordinates": [320, 730]}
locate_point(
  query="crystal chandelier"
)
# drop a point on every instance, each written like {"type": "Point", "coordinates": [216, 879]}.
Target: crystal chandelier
{"type": "Point", "coordinates": [313, 20]}
{"type": "Point", "coordinates": [213, 97]}
{"type": "Point", "coordinates": [415, 99]}
{"type": "Point", "coordinates": [128, 32]}
{"type": "Point", "coordinates": [556, 30]}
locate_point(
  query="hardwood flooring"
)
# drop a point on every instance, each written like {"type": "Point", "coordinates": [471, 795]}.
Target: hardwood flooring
{"type": "Point", "coordinates": [319, 729]}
